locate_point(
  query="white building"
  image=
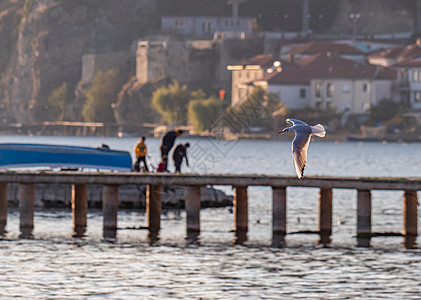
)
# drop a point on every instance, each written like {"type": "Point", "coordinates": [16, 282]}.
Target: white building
{"type": "Point", "coordinates": [346, 85]}
{"type": "Point", "coordinates": [199, 25]}
{"type": "Point", "coordinates": [290, 85]}
{"type": "Point", "coordinates": [322, 81]}
{"type": "Point", "coordinates": [410, 82]}
{"type": "Point", "coordinates": [406, 60]}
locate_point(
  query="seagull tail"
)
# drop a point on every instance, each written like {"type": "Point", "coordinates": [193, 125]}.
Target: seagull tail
{"type": "Point", "coordinates": [318, 130]}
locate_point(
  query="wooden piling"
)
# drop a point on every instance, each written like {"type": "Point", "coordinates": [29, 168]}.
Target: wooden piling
{"type": "Point", "coordinates": [410, 215]}
{"type": "Point", "coordinates": [363, 218]}
{"type": "Point", "coordinates": [279, 216]}
{"type": "Point", "coordinates": [192, 204]}
{"type": "Point", "coordinates": [240, 214]}
{"type": "Point", "coordinates": [3, 207]}
{"type": "Point", "coordinates": [79, 209]}
{"type": "Point", "coordinates": [110, 210]}
{"type": "Point", "coordinates": [26, 209]}
{"type": "Point", "coordinates": [325, 216]}
{"type": "Point", "coordinates": [153, 210]}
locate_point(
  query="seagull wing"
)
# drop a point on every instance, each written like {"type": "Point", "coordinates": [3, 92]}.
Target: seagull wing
{"type": "Point", "coordinates": [299, 152]}
{"type": "Point", "coordinates": [295, 121]}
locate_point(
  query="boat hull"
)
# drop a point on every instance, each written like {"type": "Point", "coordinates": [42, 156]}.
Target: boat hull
{"type": "Point", "coordinates": [61, 156]}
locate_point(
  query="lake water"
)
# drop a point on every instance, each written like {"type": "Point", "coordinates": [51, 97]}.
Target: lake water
{"type": "Point", "coordinates": [54, 265]}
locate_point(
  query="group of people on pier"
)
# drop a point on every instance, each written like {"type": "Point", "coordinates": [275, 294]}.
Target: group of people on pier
{"type": "Point", "coordinates": [167, 143]}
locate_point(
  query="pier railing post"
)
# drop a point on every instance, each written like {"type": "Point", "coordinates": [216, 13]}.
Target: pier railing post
{"type": "Point", "coordinates": [325, 216]}
{"type": "Point", "coordinates": [153, 210]}
{"type": "Point", "coordinates": [240, 214]}
{"type": "Point", "coordinates": [279, 216]}
{"type": "Point", "coordinates": [79, 209]}
{"type": "Point", "coordinates": [110, 210]}
{"type": "Point", "coordinates": [192, 205]}
{"type": "Point", "coordinates": [410, 215]}
{"type": "Point", "coordinates": [3, 208]}
{"type": "Point", "coordinates": [363, 218]}
{"type": "Point", "coordinates": [26, 209]}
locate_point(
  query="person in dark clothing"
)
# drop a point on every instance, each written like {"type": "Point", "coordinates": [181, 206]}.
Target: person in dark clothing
{"type": "Point", "coordinates": [167, 142]}
{"type": "Point", "coordinates": [179, 153]}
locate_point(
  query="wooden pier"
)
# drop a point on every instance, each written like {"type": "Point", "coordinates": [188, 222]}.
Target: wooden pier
{"type": "Point", "coordinates": [192, 183]}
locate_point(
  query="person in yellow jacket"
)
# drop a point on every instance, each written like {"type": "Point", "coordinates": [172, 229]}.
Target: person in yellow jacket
{"type": "Point", "coordinates": [140, 150]}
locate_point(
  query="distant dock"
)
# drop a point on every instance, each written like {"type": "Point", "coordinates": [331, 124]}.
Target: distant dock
{"type": "Point", "coordinates": [192, 182]}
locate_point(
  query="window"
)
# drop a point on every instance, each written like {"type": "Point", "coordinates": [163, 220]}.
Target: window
{"type": "Point", "coordinates": [366, 87]}
{"type": "Point", "coordinates": [329, 90]}
{"type": "Point", "coordinates": [302, 93]}
{"type": "Point", "coordinates": [346, 88]}
{"type": "Point", "coordinates": [417, 97]}
{"type": "Point", "coordinates": [318, 104]}
{"type": "Point", "coordinates": [318, 90]}
{"type": "Point", "coordinates": [416, 75]}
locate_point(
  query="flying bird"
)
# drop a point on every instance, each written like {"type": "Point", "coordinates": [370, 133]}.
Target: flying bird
{"type": "Point", "coordinates": [303, 133]}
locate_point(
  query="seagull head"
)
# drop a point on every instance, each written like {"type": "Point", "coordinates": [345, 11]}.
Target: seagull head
{"type": "Point", "coordinates": [286, 131]}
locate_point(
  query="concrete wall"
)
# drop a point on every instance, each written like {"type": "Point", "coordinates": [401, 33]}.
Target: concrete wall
{"type": "Point", "coordinates": [193, 62]}
{"type": "Point", "coordinates": [290, 95]}
{"type": "Point", "coordinates": [150, 61]}
{"type": "Point", "coordinates": [92, 63]}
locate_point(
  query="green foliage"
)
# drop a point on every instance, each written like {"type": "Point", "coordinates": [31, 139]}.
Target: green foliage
{"type": "Point", "coordinates": [202, 113]}
{"type": "Point", "coordinates": [57, 103]}
{"type": "Point", "coordinates": [171, 102]}
{"type": "Point", "coordinates": [100, 95]}
{"type": "Point", "coordinates": [385, 110]}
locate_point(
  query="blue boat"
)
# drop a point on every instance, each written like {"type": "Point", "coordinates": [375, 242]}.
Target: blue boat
{"type": "Point", "coordinates": [61, 156]}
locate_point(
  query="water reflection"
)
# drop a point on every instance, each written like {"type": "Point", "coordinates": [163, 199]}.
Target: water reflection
{"type": "Point", "coordinates": [240, 237]}
{"type": "Point", "coordinates": [79, 231]}
{"type": "Point", "coordinates": [193, 237]}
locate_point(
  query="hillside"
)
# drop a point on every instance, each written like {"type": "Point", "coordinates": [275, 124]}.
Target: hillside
{"type": "Point", "coordinates": [43, 41]}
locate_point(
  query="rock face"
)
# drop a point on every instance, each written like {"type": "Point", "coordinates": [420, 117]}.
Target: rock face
{"type": "Point", "coordinates": [130, 196]}
{"type": "Point", "coordinates": [51, 38]}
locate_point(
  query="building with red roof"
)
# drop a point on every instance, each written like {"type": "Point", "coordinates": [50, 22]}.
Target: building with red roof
{"type": "Point", "coordinates": [345, 50]}
{"type": "Point", "coordinates": [322, 80]}
{"type": "Point", "coordinates": [406, 60]}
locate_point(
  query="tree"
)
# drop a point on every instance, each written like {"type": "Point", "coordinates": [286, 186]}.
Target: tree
{"type": "Point", "coordinates": [385, 110]}
{"type": "Point", "coordinates": [100, 95]}
{"type": "Point", "coordinates": [57, 103]}
{"type": "Point", "coordinates": [171, 102]}
{"type": "Point", "coordinates": [260, 109]}
{"type": "Point", "coordinates": [202, 113]}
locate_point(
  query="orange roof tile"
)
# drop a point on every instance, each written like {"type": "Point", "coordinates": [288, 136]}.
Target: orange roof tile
{"type": "Point", "coordinates": [327, 66]}
{"type": "Point", "coordinates": [399, 53]}
{"type": "Point", "coordinates": [324, 46]}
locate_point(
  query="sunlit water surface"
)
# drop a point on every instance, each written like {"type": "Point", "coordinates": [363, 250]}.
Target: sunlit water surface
{"type": "Point", "coordinates": [54, 265]}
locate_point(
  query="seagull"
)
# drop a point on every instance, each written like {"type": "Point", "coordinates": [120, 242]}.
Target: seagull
{"type": "Point", "coordinates": [303, 133]}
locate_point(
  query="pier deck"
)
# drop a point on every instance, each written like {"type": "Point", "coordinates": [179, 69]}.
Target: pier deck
{"type": "Point", "coordinates": [192, 183]}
